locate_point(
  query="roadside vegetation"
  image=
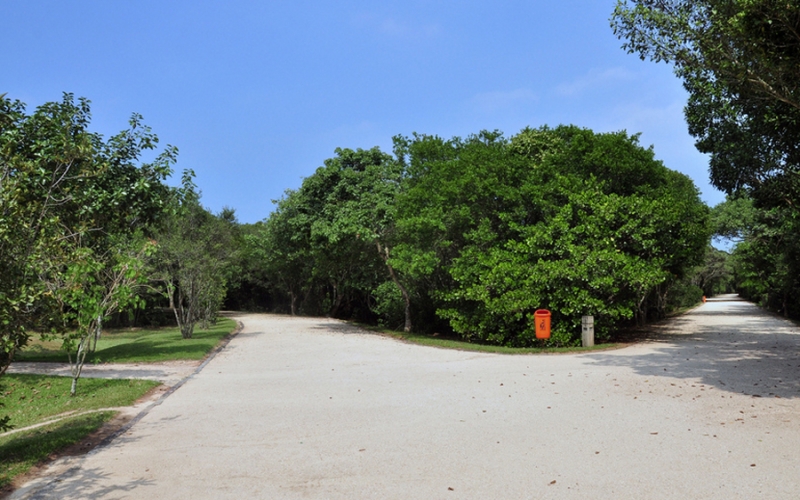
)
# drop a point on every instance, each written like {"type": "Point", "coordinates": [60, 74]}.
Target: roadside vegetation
{"type": "Point", "coordinates": [454, 342]}
{"type": "Point", "coordinates": [138, 345]}
{"type": "Point", "coordinates": [469, 236]}
{"type": "Point", "coordinates": [34, 399]}
{"type": "Point", "coordinates": [740, 64]}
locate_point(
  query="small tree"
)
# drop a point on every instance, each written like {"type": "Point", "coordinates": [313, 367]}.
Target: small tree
{"type": "Point", "coordinates": [64, 188]}
{"type": "Point", "coordinates": [93, 287]}
{"type": "Point", "coordinates": [193, 261]}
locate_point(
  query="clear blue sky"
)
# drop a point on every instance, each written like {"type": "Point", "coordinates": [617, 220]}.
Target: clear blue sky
{"type": "Point", "coordinates": [256, 94]}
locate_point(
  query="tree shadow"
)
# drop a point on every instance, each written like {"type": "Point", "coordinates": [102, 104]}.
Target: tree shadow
{"type": "Point", "coordinates": [340, 327]}
{"type": "Point", "coordinates": [79, 483]}
{"type": "Point", "coordinates": [731, 345]}
{"type": "Point", "coordinates": [154, 349]}
{"type": "Point", "coordinates": [73, 437]}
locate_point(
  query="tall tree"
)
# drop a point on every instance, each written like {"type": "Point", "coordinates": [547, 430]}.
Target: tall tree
{"type": "Point", "coordinates": [194, 258]}
{"type": "Point", "coordinates": [64, 191]}
{"type": "Point", "coordinates": [336, 234]}
{"type": "Point", "coordinates": [740, 62]}
{"type": "Point", "coordinates": [577, 222]}
{"type": "Point", "coordinates": [359, 208]}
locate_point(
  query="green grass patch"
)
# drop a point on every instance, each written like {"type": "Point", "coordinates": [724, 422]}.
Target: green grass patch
{"type": "Point", "coordinates": [33, 399]}
{"type": "Point", "coordinates": [19, 452]}
{"type": "Point", "coordinates": [462, 345]}
{"type": "Point", "coordinates": [137, 345]}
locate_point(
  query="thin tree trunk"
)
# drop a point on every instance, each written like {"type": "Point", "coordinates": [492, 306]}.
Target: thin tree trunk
{"type": "Point", "coordinates": [97, 331]}
{"type": "Point", "coordinates": [337, 302]}
{"type": "Point", "coordinates": [76, 368]}
{"type": "Point", "coordinates": [384, 253]}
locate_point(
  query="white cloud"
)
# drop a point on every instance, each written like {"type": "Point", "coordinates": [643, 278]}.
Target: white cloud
{"type": "Point", "coordinates": [594, 78]}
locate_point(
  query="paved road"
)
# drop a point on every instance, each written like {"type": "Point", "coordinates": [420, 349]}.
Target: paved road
{"type": "Point", "coordinates": [311, 408]}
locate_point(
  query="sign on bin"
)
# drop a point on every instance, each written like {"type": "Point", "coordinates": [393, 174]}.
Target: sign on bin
{"type": "Point", "coordinates": [541, 320]}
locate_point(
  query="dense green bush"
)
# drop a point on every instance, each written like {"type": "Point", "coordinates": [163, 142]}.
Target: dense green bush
{"type": "Point", "coordinates": [473, 235]}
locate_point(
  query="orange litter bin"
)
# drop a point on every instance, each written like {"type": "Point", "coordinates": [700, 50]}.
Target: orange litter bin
{"type": "Point", "coordinates": [541, 321]}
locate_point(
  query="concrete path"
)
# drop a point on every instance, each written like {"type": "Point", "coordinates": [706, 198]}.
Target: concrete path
{"type": "Point", "coordinates": [313, 408]}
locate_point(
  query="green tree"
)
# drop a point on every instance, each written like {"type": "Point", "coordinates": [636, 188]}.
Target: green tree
{"type": "Point", "coordinates": [280, 245]}
{"type": "Point", "coordinates": [765, 260]}
{"type": "Point", "coordinates": [64, 191]}
{"type": "Point", "coordinates": [330, 242]}
{"type": "Point", "coordinates": [576, 222]}
{"type": "Point", "coordinates": [195, 258]}
{"type": "Point", "coordinates": [740, 62]}
{"type": "Point", "coordinates": [359, 207]}
{"type": "Point", "coordinates": [91, 287]}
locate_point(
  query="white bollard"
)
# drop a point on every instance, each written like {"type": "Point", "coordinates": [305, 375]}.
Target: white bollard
{"type": "Point", "coordinates": [587, 331]}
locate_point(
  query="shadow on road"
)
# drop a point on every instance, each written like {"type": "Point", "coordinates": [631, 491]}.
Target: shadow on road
{"type": "Point", "coordinates": [88, 483]}
{"type": "Point", "coordinates": [729, 344]}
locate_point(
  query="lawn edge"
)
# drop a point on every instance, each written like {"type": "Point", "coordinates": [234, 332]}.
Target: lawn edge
{"type": "Point", "coordinates": [114, 427]}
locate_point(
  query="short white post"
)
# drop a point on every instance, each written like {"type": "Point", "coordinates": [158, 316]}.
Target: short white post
{"type": "Point", "coordinates": [587, 331]}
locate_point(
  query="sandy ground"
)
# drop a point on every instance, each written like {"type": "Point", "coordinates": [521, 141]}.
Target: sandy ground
{"type": "Point", "coordinates": [313, 408]}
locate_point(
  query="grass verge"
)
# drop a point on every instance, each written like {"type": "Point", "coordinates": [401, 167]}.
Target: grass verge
{"type": "Point", "coordinates": [137, 345]}
{"type": "Point", "coordinates": [20, 452]}
{"type": "Point", "coordinates": [453, 343]}
{"type": "Point", "coordinates": [32, 399]}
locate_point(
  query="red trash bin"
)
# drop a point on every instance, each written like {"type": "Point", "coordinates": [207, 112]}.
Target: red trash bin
{"type": "Point", "coordinates": [541, 322]}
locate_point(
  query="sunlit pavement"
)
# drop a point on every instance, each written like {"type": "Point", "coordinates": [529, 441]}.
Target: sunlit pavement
{"type": "Point", "coordinates": [314, 408]}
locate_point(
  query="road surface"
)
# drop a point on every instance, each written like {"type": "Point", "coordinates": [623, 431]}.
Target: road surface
{"type": "Point", "coordinates": [314, 408]}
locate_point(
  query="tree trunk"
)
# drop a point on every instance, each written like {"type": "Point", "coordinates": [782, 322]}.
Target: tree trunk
{"type": "Point", "coordinates": [337, 302]}
{"type": "Point", "coordinates": [98, 329]}
{"type": "Point", "coordinates": [384, 253]}
{"type": "Point", "coordinates": [77, 367]}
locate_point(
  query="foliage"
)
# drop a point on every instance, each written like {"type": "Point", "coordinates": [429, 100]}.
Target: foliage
{"type": "Point", "coordinates": [65, 193]}
{"type": "Point", "coordinates": [327, 244]}
{"type": "Point", "coordinates": [715, 276]}
{"type": "Point", "coordinates": [740, 63]}
{"type": "Point", "coordinates": [195, 259]}
{"type": "Point", "coordinates": [564, 219]}
{"type": "Point", "coordinates": [92, 287]}
{"type": "Point", "coordinates": [472, 235]}
{"type": "Point", "coordinates": [767, 261]}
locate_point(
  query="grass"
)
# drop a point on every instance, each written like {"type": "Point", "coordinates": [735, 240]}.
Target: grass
{"type": "Point", "coordinates": [452, 343]}
{"type": "Point", "coordinates": [32, 399]}
{"type": "Point", "coordinates": [20, 452]}
{"type": "Point", "coordinates": [137, 345]}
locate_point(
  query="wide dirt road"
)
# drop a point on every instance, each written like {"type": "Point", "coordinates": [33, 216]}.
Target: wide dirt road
{"type": "Point", "coordinates": [313, 408]}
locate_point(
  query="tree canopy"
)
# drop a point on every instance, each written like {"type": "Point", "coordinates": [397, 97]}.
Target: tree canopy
{"type": "Point", "coordinates": [473, 235]}
{"type": "Point", "coordinates": [740, 62]}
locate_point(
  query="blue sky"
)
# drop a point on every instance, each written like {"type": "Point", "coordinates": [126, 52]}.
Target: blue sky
{"type": "Point", "coordinates": [257, 94]}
